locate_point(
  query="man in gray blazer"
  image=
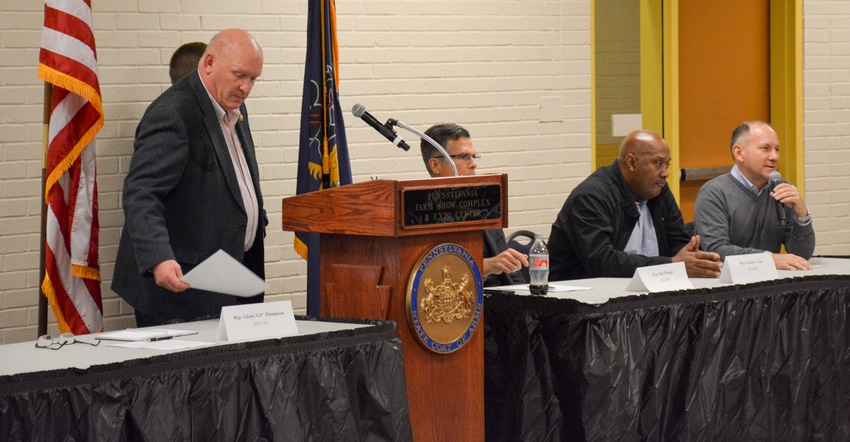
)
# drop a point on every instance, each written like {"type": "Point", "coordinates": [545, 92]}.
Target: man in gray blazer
{"type": "Point", "coordinates": [193, 187]}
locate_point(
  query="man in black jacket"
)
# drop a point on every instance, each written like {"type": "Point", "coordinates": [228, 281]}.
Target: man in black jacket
{"type": "Point", "coordinates": [502, 265]}
{"type": "Point", "coordinates": [624, 216]}
{"type": "Point", "coordinates": [193, 187]}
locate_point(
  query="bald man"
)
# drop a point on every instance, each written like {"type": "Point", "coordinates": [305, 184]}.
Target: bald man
{"type": "Point", "coordinates": [624, 216]}
{"type": "Point", "coordinates": [193, 187]}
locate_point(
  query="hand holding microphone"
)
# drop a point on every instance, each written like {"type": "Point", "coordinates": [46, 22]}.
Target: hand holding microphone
{"type": "Point", "coordinates": [785, 194]}
{"type": "Point", "coordinates": [386, 130]}
{"type": "Point", "coordinates": [774, 179]}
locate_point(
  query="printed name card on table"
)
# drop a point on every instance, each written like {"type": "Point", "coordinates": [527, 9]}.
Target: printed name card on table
{"type": "Point", "coordinates": [744, 269]}
{"type": "Point", "coordinates": [257, 321]}
{"type": "Point", "coordinates": [660, 278]}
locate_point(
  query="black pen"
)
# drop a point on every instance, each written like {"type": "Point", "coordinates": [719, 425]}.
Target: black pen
{"type": "Point", "coordinates": [160, 338]}
{"type": "Point", "coordinates": [498, 292]}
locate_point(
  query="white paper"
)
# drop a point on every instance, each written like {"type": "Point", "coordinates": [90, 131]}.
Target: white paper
{"type": "Point", "coordinates": [553, 288]}
{"type": "Point", "coordinates": [221, 273]}
{"type": "Point", "coordinates": [660, 278]}
{"type": "Point", "coordinates": [257, 321]}
{"type": "Point", "coordinates": [171, 344]}
{"type": "Point", "coordinates": [744, 269]}
{"type": "Point", "coordinates": [143, 334]}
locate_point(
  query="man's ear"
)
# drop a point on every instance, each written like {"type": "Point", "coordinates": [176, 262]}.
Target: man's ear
{"type": "Point", "coordinates": [207, 61]}
{"type": "Point", "coordinates": [738, 153]}
{"type": "Point", "coordinates": [631, 161]}
{"type": "Point", "coordinates": [434, 166]}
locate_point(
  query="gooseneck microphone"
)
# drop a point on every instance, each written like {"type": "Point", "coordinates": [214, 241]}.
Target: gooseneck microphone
{"type": "Point", "coordinates": [774, 179]}
{"type": "Point", "coordinates": [359, 111]}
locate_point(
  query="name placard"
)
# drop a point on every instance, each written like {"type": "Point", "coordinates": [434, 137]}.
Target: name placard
{"type": "Point", "coordinates": [256, 321]}
{"type": "Point", "coordinates": [660, 278]}
{"type": "Point", "coordinates": [743, 269]}
{"type": "Point", "coordinates": [451, 204]}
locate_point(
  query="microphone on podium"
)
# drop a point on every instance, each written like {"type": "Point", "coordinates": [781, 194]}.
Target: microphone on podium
{"type": "Point", "coordinates": [386, 130]}
{"type": "Point", "coordinates": [774, 178]}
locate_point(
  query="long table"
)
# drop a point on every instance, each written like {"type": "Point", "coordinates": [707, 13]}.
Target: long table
{"type": "Point", "coordinates": [763, 361]}
{"type": "Point", "coordinates": [334, 381]}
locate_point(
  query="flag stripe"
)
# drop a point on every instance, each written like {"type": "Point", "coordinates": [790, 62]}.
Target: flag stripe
{"type": "Point", "coordinates": [84, 230]}
{"type": "Point", "coordinates": [77, 8]}
{"type": "Point", "coordinates": [63, 107]}
{"type": "Point", "coordinates": [68, 35]}
{"type": "Point", "coordinates": [82, 314]}
{"type": "Point", "coordinates": [75, 127]}
{"type": "Point", "coordinates": [81, 127]}
{"type": "Point", "coordinates": [55, 68]}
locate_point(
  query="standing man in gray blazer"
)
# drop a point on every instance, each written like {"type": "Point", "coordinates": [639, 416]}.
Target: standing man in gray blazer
{"type": "Point", "coordinates": [193, 187]}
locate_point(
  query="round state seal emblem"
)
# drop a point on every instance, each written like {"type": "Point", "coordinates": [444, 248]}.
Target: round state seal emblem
{"type": "Point", "coordinates": [445, 298]}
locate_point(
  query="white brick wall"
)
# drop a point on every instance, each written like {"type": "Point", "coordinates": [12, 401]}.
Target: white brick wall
{"type": "Point", "coordinates": [826, 86]}
{"type": "Point", "coordinates": [515, 73]}
{"type": "Point", "coordinates": [496, 67]}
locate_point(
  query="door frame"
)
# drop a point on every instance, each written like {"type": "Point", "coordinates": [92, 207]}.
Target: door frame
{"type": "Point", "coordinates": [659, 36]}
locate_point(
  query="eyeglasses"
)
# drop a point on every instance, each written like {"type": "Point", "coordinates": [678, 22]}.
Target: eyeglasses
{"type": "Point", "coordinates": [466, 156]}
{"type": "Point", "coordinates": [49, 342]}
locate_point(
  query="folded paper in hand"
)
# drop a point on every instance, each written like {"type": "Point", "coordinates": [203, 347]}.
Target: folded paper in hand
{"type": "Point", "coordinates": [221, 273]}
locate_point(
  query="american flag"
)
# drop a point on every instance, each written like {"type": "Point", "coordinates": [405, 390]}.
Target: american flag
{"type": "Point", "coordinates": [68, 61]}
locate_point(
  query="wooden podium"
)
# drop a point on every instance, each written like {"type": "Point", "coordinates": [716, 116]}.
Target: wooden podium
{"type": "Point", "coordinates": [373, 235]}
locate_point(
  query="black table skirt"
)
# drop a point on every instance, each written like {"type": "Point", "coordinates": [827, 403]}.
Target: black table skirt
{"type": "Point", "coordinates": [766, 361]}
{"type": "Point", "coordinates": [340, 386]}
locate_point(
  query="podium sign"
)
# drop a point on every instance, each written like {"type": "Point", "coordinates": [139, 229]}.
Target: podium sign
{"type": "Point", "coordinates": [451, 205]}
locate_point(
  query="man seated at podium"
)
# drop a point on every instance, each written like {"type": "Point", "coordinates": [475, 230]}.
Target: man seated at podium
{"type": "Point", "coordinates": [624, 216]}
{"type": "Point", "coordinates": [502, 265]}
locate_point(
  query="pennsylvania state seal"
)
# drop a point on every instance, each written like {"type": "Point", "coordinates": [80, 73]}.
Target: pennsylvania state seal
{"type": "Point", "coordinates": [445, 298]}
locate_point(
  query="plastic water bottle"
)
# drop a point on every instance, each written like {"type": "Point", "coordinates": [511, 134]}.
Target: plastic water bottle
{"type": "Point", "coordinates": [538, 266]}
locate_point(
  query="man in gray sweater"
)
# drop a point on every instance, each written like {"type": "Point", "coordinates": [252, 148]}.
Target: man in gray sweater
{"type": "Point", "coordinates": [739, 213]}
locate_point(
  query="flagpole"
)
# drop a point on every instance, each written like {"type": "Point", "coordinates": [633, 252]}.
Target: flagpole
{"type": "Point", "coordinates": [42, 298]}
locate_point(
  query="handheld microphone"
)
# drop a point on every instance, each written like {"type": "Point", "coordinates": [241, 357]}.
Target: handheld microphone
{"type": "Point", "coordinates": [774, 178]}
{"type": "Point", "coordinates": [359, 111]}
